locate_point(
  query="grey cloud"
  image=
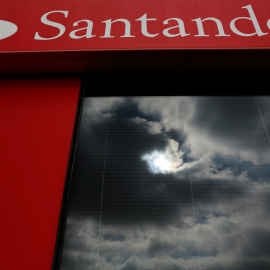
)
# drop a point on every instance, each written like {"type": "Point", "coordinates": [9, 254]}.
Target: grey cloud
{"type": "Point", "coordinates": [223, 241]}
{"type": "Point", "coordinates": [228, 125]}
{"type": "Point", "coordinates": [233, 120]}
{"type": "Point", "coordinates": [149, 221]}
{"type": "Point", "coordinates": [131, 192]}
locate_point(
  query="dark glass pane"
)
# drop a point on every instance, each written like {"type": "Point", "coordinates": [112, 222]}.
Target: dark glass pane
{"type": "Point", "coordinates": [170, 183]}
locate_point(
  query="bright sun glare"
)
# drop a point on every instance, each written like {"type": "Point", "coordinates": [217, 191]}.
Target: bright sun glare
{"type": "Point", "coordinates": [157, 162]}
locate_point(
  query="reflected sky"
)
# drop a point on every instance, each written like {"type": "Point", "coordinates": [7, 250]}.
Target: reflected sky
{"type": "Point", "coordinates": [175, 183]}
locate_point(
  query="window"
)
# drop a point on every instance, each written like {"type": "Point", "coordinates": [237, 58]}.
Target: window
{"type": "Point", "coordinates": [171, 182]}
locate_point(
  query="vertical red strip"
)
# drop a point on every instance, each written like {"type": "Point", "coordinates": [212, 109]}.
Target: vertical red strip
{"type": "Point", "coordinates": [37, 119]}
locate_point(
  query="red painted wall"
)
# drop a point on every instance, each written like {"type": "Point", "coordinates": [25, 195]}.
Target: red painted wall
{"type": "Point", "coordinates": [37, 118]}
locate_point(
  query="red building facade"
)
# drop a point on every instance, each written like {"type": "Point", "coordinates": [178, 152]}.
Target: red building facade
{"type": "Point", "coordinates": [48, 49]}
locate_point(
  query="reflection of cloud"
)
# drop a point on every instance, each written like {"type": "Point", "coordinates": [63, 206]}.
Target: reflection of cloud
{"type": "Point", "coordinates": [97, 108]}
{"type": "Point", "coordinates": [225, 241]}
{"type": "Point", "coordinates": [227, 125]}
{"type": "Point", "coordinates": [147, 219]}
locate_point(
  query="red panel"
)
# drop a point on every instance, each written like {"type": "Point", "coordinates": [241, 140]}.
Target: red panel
{"type": "Point", "coordinates": [37, 119]}
{"type": "Point", "coordinates": [68, 15]}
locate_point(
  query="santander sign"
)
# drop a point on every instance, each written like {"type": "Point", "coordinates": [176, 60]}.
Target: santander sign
{"type": "Point", "coordinates": [69, 25]}
{"type": "Point", "coordinates": [173, 27]}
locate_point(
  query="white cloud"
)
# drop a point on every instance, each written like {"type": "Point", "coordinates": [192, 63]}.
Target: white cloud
{"type": "Point", "coordinates": [214, 125]}
{"type": "Point", "coordinates": [97, 108]}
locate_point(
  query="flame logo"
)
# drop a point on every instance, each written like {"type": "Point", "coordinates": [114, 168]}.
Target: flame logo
{"type": "Point", "coordinates": [7, 29]}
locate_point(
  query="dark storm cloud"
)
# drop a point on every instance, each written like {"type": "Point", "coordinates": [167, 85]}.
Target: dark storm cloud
{"type": "Point", "coordinates": [130, 266]}
{"type": "Point", "coordinates": [218, 124]}
{"type": "Point", "coordinates": [258, 245]}
{"type": "Point", "coordinates": [126, 176]}
{"type": "Point", "coordinates": [158, 247]}
{"type": "Point", "coordinates": [237, 166]}
{"type": "Point", "coordinates": [129, 109]}
{"type": "Point", "coordinates": [227, 116]}
{"type": "Point", "coordinates": [252, 252]}
{"type": "Point", "coordinates": [131, 193]}
{"type": "Point", "coordinates": [231, 120]}
{"type": "Point", "coordinates": [149, 221]}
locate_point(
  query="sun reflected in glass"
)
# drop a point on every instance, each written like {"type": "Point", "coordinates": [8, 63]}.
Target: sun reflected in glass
{"type": "Point", "coordinates": [160, 162]}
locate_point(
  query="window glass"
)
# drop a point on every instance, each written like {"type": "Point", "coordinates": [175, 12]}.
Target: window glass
{"type": "Point", "coordinates": [170, 182]}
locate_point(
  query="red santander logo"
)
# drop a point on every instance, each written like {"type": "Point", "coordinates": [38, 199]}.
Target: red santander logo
{"type": "Point", "coordinates": [7, 29]}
